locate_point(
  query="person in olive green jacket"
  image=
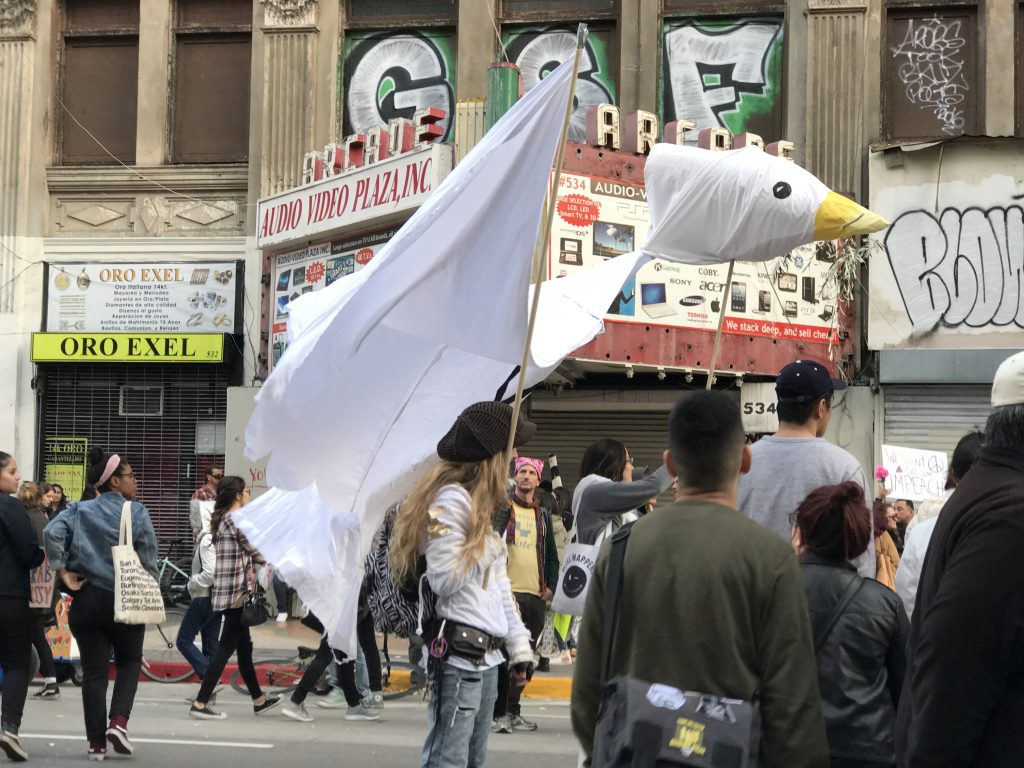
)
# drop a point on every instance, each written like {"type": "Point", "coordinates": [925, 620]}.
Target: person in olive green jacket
{"type": "Point", "coordinates": [711, 602]}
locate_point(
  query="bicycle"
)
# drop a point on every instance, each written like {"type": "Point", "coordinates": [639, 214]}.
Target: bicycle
{"type": "Point", "coordinates": [280, 676]}
{"type": "Point", "coordinates": [172, 578]}
{"type": "Point", "coordinates": [160, 644]}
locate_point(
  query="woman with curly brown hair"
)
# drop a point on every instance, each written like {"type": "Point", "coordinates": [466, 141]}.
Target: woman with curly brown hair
{"type": "Point", "coordinates": [860, 629]}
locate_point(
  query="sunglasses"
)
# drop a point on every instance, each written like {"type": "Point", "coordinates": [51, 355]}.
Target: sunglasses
{"type": "Point", "coordinates": [216, 477]}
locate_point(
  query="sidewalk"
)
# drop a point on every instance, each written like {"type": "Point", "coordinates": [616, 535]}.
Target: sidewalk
{"type": "Point", "coordinates": [276, 641]}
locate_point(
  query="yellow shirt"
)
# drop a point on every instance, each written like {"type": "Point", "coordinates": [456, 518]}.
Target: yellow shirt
{"type": "Point", "coordinates": [523, 570]}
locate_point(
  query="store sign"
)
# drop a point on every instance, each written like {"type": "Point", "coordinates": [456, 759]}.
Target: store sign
{"type": "Point", "coordinates": [133, 297]}
{"type": "Point", "coordinates": [758, 406]}
{"type": "Point", "coordinates": [395, 185]}
{"type": "Point", "coordinates": [793, 297]}
{"type": "Point", "coordinates": [305, 270]}
{"type": "Point", "coordinates": [127, 347]}
{"type": "Point", "coordinates": [914, 474]}
{"type": "Point", "coordinates": [64, 463]}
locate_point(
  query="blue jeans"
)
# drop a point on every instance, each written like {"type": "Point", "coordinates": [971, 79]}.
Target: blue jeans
{"type": "Point", "coordinates": [459, 719]}
{"type": "Point", "coordinates": [199, 619]}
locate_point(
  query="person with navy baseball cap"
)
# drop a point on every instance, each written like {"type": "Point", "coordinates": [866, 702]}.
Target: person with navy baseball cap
{"type": "Point", "coordinates": [797, 459]}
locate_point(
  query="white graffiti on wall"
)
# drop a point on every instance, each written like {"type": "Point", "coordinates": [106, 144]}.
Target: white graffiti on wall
{"type": "Point", "coordinates": [931, 69]}
{"type": "Point", "coordinates": [709, 70]}
{"type": "Point", "coordinates": [543, 53]}
{"type": "Point", "coordinates": [393, 77]}
{"type": "Point", "coordinates": [962, 267]}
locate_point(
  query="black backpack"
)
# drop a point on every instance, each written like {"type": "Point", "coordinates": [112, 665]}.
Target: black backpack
{"type": "Point", "coordinates": [396, 607]}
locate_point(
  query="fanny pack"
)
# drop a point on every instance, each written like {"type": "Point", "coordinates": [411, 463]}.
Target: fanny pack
{"type": "Point", "coordinates": [467, 642]}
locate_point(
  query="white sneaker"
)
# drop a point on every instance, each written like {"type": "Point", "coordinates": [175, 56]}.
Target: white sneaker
{"type": "Point", "coordinates": [282, 617]}
{"type": "Point", "coordinates": [10, 745]}
{"type": "Point", "coordinates": [362, 713]}
{"type": "Point", "coordinates": [296, 712]}
{"type": "Point", "coordinates": [335, 699]}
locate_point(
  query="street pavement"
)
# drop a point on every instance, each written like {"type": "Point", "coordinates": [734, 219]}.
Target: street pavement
{"type": "Point", "coordinates": [166, 737]}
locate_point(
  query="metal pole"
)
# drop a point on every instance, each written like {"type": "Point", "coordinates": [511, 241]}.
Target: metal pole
{"type": "Point", "coordinates": [544, 235]}
{"type": "Point", "coordinates": [721, 323]}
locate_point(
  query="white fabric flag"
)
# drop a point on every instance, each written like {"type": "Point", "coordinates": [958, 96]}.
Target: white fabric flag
{"type": "Point", "coordinates": [380, 363]}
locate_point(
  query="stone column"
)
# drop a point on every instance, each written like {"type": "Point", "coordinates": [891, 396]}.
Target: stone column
{"type": "Point", "coordinates": [1000, 70]}
{"type": "Point", "coordinates": [640, 30]}
{"type": "Point", "coordinates": [154, 54]}
{"type": "Point", "coordinates": [286, 91]}
{"type": "Point", "coordinates": [476, 48]}
{"type": "Point", "coordinates": [17, 44]}
{"type": "Point", "coordinates": [837, 96]}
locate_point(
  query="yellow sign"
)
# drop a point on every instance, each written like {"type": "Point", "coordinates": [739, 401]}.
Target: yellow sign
{"type": "Point", "coordinates": [127, 347]}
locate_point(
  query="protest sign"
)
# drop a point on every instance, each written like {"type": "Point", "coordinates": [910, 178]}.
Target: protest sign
{"type": "Point", "coordinates": [914, 473]}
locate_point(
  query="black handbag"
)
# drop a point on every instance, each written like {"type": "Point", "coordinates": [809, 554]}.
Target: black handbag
{"type": "Point", "coordinates": [255, 609]}
{"type": "Point", "coordinates": [467, 642]}
{"type": "Point", "coordinates": [649, 725]}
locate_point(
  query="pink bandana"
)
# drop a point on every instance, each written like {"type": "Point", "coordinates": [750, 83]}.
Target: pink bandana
{"type": "Point", "coordinates": [523, 461]}
{"type": "Point", "coordinates": [112, 463]}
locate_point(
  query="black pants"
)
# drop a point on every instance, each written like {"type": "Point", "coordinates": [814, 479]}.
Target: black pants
{"type": "Point", "coordinates": [15, 656]}
{"type": "Point", "coordinates": [92, 623]}
{"type": "Point", "coordinates": [46, 666]}
{"type": "Point", "coordinates": [532, 609]}
{"type": "Point", "coordinates": [346, 666]}
{"type": "Point", "coordinates": [233, 637]}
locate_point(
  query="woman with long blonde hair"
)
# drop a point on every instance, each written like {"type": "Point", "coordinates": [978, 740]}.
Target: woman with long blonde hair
{"type": "Point", "coordinates": [447, 521]}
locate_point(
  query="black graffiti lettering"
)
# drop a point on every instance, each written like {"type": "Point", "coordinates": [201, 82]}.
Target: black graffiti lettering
{"type": "Point", "coordinates": [962, 268]}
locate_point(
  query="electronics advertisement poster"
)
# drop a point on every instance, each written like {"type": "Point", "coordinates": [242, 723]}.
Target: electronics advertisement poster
{"type": "Point", "coordinates": [792, 297]}
{"type": "Point", "coordinates": [149, 297]}
{"type": "Point", "coordinates": [313, 268]}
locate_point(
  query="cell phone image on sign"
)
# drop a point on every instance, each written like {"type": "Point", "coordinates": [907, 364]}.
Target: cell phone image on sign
{"type": "Point", "coordinates": [790, 309]}
{"type": "Point", "coordinates": [298, 276]}
{"type": "Point", "coordinates": [738, 301]}
{"type": "Point", "coordinates": [282, 280]}
{"type": "Point", "coordinates": [611, 240]}
{"type": "Point", "coordinates": [764, 302]}
{"type": "Point", "coordinates": [654, 300]}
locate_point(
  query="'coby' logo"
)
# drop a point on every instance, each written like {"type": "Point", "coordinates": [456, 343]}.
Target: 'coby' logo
{"type": "Point", "coordinates": [708, 285]}
{"type": "Point", "coordinates": [707, 271]}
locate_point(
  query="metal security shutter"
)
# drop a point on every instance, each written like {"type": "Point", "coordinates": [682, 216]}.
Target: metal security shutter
{"type": "Point", "coordinates": [166, 420]}
{"type": "Point", "coordinates": [567, 434]}
{"type": "Point", "coordinates": [934, 417]}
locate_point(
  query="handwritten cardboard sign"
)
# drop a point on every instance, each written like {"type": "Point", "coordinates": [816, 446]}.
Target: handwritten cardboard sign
{"type": "Point", "coordinates": [41, 583]}
{"type": "Point", "coordinates": [914, 473]}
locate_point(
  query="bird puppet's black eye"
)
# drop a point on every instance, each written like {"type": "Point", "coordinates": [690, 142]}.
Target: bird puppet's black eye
{"type": "Point", "coordinates": [782, 190]}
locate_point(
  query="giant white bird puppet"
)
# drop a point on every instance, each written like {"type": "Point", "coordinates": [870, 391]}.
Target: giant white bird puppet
{"type": "Point", "coordinates": [740, 205]}
{"type": "Point", "coordinates": [381, 362]}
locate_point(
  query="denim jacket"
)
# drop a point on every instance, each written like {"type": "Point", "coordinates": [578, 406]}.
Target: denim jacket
{"type": "Point", "coordinates": [81, 536]}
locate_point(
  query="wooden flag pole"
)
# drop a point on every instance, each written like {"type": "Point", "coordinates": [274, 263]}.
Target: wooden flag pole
{"type": "Point", "coordinates": [540, 247]}
{"type": "Point", "coordinates": [721, 324]}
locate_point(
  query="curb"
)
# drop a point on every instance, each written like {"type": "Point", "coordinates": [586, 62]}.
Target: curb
{"type": "Point", "coordinates": [540, 687]}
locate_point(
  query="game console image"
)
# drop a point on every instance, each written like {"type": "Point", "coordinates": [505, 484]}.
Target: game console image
{"type": "Point", "coordinates": [570, 251]}
{"type": "Point", "coordinates": [827, 313]}
{"type": "Point", "coordinates": [654, 301]}
{"type": "Point", "coordinates": [808, 290]}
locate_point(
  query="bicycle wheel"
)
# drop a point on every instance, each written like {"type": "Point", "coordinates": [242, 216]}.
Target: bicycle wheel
{"type": "Point", "coordinates": [401, 679]}
{"type": "Point", "coordinates": [162, 661]}
{"type": "Point", "coordinates": [275, 676]}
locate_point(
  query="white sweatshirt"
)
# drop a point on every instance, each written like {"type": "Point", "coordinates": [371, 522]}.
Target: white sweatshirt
{"type": "Point", "coordinates": [479, 595]}
{"type": "Point", "coordinates": [205, 556]}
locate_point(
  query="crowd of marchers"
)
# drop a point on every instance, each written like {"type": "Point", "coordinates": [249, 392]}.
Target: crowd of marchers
{"type": "Point", "coordinates": [778, 613]}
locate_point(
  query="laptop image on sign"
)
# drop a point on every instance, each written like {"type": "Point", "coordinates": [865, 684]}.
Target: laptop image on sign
{"type": "Point", "coordinates": [653, 300]}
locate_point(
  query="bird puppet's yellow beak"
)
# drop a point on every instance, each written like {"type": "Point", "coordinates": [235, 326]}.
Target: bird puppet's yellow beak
{"type": "Point", "coordinates": [839, 216]}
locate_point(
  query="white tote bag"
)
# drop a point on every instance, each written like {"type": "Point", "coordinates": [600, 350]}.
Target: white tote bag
{"type": "Point", "coordinates": [574, 577]}
{"type": "Point", "coordinates": [137, 598]}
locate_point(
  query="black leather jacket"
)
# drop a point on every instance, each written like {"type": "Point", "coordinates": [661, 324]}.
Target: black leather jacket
{"type": "Point", "coordinates": [862, 661]}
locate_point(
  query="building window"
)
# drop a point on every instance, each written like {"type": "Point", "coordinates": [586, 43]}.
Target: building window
{"type": "Point", "coordinates": [98, 82]}
{"type": "Point", "coordinates": [403, 12]}
{"type": "Point", "coordinates": [513, 9]}
{"type": "Point", "coordinates": [725, 73]}
{"type": "Point", "coordinates": [212, 61]}
{"type": "Point", "coordinates": [930, 72]}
